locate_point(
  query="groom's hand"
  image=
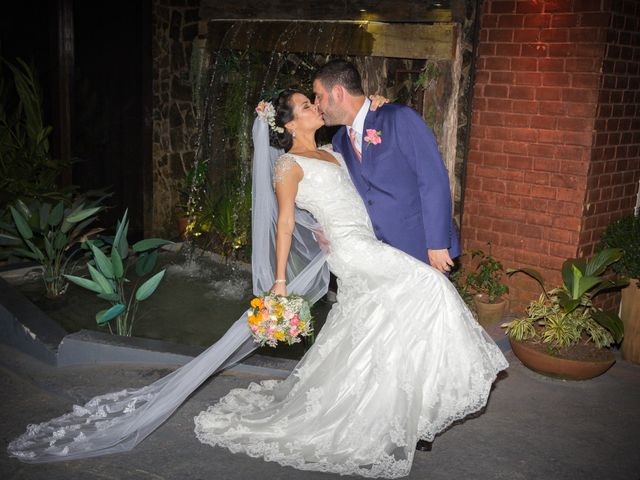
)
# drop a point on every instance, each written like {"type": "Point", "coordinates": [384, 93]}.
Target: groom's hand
{"type": "Point", "coordinates": [440, 259]}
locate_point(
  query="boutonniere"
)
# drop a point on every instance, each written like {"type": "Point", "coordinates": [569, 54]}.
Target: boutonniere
{"type": "Point", "coordinates": [373, 137]}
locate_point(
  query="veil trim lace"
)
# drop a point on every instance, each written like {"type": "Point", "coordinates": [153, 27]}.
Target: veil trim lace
{"type": "Point", "coordinates": [118, 421]}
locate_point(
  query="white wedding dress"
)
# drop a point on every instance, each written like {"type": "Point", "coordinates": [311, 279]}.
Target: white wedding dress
{"type": "Point", "coordinates": [399, 358]}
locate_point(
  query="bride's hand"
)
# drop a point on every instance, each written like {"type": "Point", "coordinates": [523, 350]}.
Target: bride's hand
{"type": "Point", "coordinates": [377, 101]}
{"type": "Point", "coordinates": [279, 289]}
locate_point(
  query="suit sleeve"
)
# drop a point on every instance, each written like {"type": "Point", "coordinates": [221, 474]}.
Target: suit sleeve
{"type": "Point", "coordinates": [419, 147]}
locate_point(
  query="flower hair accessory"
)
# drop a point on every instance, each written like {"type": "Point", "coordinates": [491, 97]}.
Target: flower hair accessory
{"type": "Point", "coordinates": [267, 113]}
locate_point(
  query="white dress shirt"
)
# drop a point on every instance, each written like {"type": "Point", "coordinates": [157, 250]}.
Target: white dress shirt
{"type": "Point", "coordinates": [358, 123]}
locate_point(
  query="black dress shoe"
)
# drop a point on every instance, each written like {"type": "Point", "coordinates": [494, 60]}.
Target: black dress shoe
{"type": "Point", "coordinates": [424, 446]}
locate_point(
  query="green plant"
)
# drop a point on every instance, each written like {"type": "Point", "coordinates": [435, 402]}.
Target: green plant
{"type": "Point", "coordinates": [486, 279]}
{"type": "Point", "coordinates": [565, 315]}
{"type": "Point", "coordinates": [457, 278]}
{"type": "Point", "coordinates": [26, 167]}
{"type": "Point", "coordinates": [46, 232]}
{"type": "Point", "coordinates": [624, 233]}
{"type": "Point", "coordinates": [232, 219]}
{"type": "Point", "coordinates": [109, 277]}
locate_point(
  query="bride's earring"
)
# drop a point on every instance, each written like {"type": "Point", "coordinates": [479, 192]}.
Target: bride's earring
{"type": "Point", "coordinates": [293, 133]}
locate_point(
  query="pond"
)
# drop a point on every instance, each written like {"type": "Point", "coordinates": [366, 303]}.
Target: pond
{"type": "Point", "coordinates": [195, 304]}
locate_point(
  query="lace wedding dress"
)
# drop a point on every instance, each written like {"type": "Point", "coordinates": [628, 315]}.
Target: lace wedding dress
{"type": "Point", "coordinates": [399, 358]}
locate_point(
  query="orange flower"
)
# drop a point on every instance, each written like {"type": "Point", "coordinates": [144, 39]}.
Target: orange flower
{"type": "Point", "coordinates": [256, 302]}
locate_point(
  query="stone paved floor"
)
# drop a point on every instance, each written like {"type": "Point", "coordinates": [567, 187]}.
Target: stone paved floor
{"type": "Point", "coordinates": [533, 428]}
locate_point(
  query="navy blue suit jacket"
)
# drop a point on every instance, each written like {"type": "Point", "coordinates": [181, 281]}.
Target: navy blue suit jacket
{"type": "Point", "coordinates": [403, 182]}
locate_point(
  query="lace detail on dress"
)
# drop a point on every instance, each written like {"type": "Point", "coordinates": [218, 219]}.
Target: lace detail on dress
{"type": "Point", "coordinates": [281, 168]}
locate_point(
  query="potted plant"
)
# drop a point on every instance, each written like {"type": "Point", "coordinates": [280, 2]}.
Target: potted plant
{"type": "Point", "coordinates": [486, 285]}
{"type": "Point", "coordinates": [624, 233]}
{"type": "Point", "coordinates": [563, 334]}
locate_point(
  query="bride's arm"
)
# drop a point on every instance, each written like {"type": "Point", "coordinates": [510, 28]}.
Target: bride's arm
{"type": "Point", "coordinates": [286, 190]}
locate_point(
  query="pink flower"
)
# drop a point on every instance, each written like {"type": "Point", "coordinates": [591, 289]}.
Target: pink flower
{"type": "Point", "coordinates": [254, 328]}
{"type": "Point", "coordinates": [295, 320]}
{"type": "Point", "coordinates": [373, 136]}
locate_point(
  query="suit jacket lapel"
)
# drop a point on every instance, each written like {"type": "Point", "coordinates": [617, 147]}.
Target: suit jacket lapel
{"type": "Point", "coordinates": [369, 123]}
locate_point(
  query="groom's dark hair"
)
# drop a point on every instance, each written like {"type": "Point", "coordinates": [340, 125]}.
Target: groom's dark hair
{"type": "Point", "coordinates": [340, 72]}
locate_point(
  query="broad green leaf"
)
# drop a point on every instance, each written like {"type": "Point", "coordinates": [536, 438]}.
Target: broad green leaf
{"type": "Point", "coordinates": [23, 252]}
{"type": "Point", "coordinates": [45, 209]}
{"type": "Point", "coordinates": [120, 239]}
{"type": "Point", "coordinates": [48, 248]}
{"type": "Point", "coordinates": [102, 262]}
{"type": "Point", "coordinates": [60, 241]}
{"type": "Point", "coordinates": [22, 207]}
{"type": "Point", "coordinates": [532, 273]}
{"type": "Point", "coordinates": [9, 240]}
{"type": "Point", "coordinates": [575, 283]}
{"type": "Point", "coordinates": [610, 285]}
{"type": "Point", "coordinates": [147, 288]}
{"type": "Point", "coordinates": [586, 284]}
{"type": "Point", "coordinates": [82, 214]}
{"type": "Point", "coordinates": [601, 260]}
{"type": "Point", "coordinates": [103, 316]}
{"type": "Point", "coordinates": [35, 250]}
{"type": "Point", "coordinates": [110, 297]}
{"type": "Point", "coordinates": [567, 275]}
{"type": "Point", "coordinates": [21, 224]}
{"type": "Point", "coordinates": [569, 304]}
{"type": "Point", "coordinates": [146, 263]}
{"type": "Point", "coordinates": [84, 283]}
{"type": "Point", "coordinates": [100, 279]}
{"type": "Point", "coordinates": [116, 263]}
{"type": "Point", "coordinates": [56, 214]}
{"type": "Point", "coordinates": [148, 244]}
{"type": "Point", "coordinates": [611, 322]}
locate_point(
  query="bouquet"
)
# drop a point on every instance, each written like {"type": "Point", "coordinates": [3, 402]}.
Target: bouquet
{"type": "Point", "coordinates": [274, 318]}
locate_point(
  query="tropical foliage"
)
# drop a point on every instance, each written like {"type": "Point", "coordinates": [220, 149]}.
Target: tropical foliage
{"type": "Point", "coordinates": [26, 167]}
{"type": "Point", "coordinates": [108, 276]}
{"type": "Point", "coordinates": [46, 233]}
{"type": "Point", "coordinates": [624, 233]}
{"type": "Point", "coordinates": [564, 316]}
{"type": "Point", "coordinates": [486, 279]}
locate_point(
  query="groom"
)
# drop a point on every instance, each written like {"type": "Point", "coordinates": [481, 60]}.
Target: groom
{"type": "Point", "coordinates": [395, 165]}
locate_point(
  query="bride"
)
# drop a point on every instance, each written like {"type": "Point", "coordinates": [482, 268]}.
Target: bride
{"type": "Point", "coordinates": [399, 358]}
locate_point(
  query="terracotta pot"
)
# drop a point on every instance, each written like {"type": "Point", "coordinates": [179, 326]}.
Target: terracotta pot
{"type": "Point", "coordinates": [560, 367]}
{"type": "Point", "coordinates": [182, 226]}
{"type": "Point", "coordinates": [630, 314]}
{"type": "Point", "coordinates": [489, 313]}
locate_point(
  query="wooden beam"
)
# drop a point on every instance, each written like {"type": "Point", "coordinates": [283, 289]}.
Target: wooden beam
{"type": "Point", "coordinates": [419, 41]}
{"type": "Point", "coordinates": [359, 10]}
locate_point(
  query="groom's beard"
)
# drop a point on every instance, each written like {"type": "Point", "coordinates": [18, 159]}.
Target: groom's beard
{"type": "Point", "coordinates": [334, 114]}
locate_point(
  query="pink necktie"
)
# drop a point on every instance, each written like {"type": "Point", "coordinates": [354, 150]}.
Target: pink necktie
{"type": "Point", "coordinates": [352, 136]}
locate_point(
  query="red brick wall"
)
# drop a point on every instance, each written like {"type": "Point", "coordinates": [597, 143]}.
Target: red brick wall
{"type": "Point", "coordinates": [614, 171]}
{"type": "Point", "coordinates": [536, 188]}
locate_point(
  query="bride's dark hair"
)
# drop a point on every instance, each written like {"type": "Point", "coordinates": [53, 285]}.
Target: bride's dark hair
{"type": "Point", "coordinates": [284, 114]}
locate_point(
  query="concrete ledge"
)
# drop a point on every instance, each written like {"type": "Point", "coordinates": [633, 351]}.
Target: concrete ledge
{"type": "Point", "coordinates": [27, 328]}
{"type": "Point", "coordinates": [89, 347]}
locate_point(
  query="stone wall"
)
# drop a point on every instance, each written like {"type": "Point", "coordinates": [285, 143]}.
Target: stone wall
{"type": "Point", "coordinates": [552, 148]}
{"type": "Point", "coordinates": [175, 27]}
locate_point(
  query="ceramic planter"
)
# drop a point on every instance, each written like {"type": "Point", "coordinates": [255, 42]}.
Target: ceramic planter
{"type": "Point", "coordinates": [560, 367]}
{"type": "Point", "coordinates": [489, 313]}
